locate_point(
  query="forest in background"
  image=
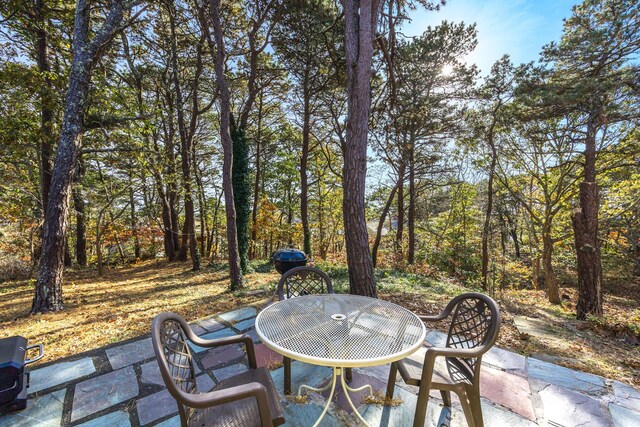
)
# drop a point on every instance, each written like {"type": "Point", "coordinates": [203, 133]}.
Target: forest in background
{"type": "Point", "coordinates": [500, 178]}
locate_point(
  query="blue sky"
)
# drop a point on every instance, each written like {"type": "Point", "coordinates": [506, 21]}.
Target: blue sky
{"type": "Point", "coordinates": [517, 27]}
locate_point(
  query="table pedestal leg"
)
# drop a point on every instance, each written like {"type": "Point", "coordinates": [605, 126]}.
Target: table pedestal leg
{"type": "Point", "coordinates": [337, 372]}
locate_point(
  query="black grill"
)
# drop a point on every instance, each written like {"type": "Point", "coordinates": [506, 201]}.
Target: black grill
{"type": "Point", "coordinates": [285, 259]}
{"type": "Point", "coordinates": [14, 378]}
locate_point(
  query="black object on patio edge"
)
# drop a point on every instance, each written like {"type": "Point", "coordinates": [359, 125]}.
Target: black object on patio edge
{"type": "Point", "coordinates": [286, 259]}
{"type": "Point", "coordinates": [14, 378]}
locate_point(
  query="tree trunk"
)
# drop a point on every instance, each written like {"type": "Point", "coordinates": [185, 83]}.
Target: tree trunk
{"type": "Point", "coordinates": [361, 18]}
{"type": "Point", "coordinates": [304, 157]}
{"type": "Point", "coordinates": [81, 227]}
{"type": "Point", "coordinates": [256, 183]}
{"type": "Point", "coordinates": [225, 112]}
{"type": "Point", "coordinates": [85, 52]}
{"type": "Point", "coordinates": [411, 220]}
{"type": "Point", "coordinates": [202, 207]}
{"type": "Point", "coordinates": [536, 273]}
{"type": "Point", "coordinates": [400, 216]}
{"type": "Point", "coordinates": [174, 199]}
{"type": "Point", "coordinates": [133, 220]}
{"type": "Point", "coordinates": [550, 279]}
{"type": "Point", "coordinates": [47, 141]}
{"type": "Point", "coordinates": [188, 243]}
{"type": "Point", "coordinates": [516, 242]}
{"type": "Point", "coordinates": [241, 190]}
{"type": "Point", "coordinates": [487, 215]}
{"type": "Point", "coordinates": [383, 217]}
{"type": "Point", "coordinates": [49, 285]}
{"type": "Point", "coordinates": [585, 228]}
{"type": "Point", "coordinates": [99, 245]}
{"type": "Point", "coordinates": [67, 253]}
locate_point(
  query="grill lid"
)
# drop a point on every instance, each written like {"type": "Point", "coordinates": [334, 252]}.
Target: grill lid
{"type": "Point", "coordinates": [289, 255]}
{"type": "Point", "coordinates": [12, 353]}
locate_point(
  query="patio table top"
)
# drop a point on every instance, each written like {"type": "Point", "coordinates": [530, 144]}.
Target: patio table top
{"type": "Point", "coordinates": [340, 330]}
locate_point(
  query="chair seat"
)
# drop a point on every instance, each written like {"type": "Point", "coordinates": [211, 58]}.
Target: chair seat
{"type": "Point", "coordinates": [447, 371]}
{"type": "Point", "coordinates": [241, 413]}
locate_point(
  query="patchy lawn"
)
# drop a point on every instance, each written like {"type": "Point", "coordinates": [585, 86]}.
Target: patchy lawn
{"type": "Point", "coordinates": [121, 305]}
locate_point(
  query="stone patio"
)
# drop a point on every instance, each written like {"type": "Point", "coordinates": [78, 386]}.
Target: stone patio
{"type": "Point", "coordinates": [120, 385]}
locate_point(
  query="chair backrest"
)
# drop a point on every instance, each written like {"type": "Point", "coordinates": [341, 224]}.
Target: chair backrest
{"type": "Point", "coordinates": [475, 323]}
{"type": "Point", "coordinates": [174, 356]}
{"type": "Point", "coordinates": [303, 281]}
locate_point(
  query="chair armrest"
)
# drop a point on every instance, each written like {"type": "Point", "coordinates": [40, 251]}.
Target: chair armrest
{"type": "Point", "coordinates": [439, 317]}
{"type": "Point", "coordinates": [217, 342]}
{"type": "Point", "coordinates": [231, 394]}
{"type": "Point", "coordinates": [236, 339]}
{"type": "Point", "coordinates": [443, 315]}
{"type": "Point", "coordinates": [464, 353]}
{"type": "Point", "coordinates": [434, 352]}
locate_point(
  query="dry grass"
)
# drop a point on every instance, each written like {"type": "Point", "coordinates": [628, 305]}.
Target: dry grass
{"type": "Point", "coordinates": [120, 305]}
{"type": "Point", "coordinates": [379, 398]}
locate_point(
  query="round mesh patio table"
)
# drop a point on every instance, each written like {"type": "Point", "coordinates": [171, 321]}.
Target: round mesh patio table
{"type": "Point", "coordinates": [340, 331]}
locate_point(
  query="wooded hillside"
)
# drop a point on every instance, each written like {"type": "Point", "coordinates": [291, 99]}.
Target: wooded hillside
{"type": "Point", "coordinates": [204, 131]}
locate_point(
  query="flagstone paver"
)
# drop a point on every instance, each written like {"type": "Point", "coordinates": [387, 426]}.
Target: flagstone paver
{"type": "Point", "coordinates": [494, 415]}
{"type": "Point", "coordinates": [211, 325]}
{"type": "Point", "coordinates": [53, 375]}
{"type": "Point", "coordinates": [301, 373]}
{"type": "Point", "coordinates": [298, 415]}
{"type": "Point", "coordinates": [254, 336]}
{"type": "Point", "coordinates": [535, 327]}
{"type": "Point", "coordinates": [265, 356]}
{"type": "Point", "coordinates": [505, 359]}
{"type": "Point", "coordinates": [511, 391]}
{"type": "Point", "coordinates": [130, 353]}
{"type": "Point", "coordinates": [151, 373]}
{"type": "Point", "coordinates": [238, 315]}
{"type": "Point", "coordinates": [156, 406]}
{"type": "Point", "coordinates": [403, 415]}
{"type": "Point", "coordinates": [245, 324]}
{"type": "Point", "coordinates": [626, 396]}
{"type": "Point", "coordinates": [44, 411]}
{"type": "Point", "coordinates": [436, 338]}
{"type": "Point", "coordinates": [161, 404]}
{"type": "Point", "coordinates": [102, 392]}
{"type": "Point", "coordinates": [565, 377]}
{"type": "Point", "coordinates": [205, 383]}
{"type": "Point", "coordinates": [569, 408]}
{"type": "Point", "coordinates": [340, 400]}
{"type": "Point", "coordinates": [171, 422]}
{"type": "Point", "coordinates": [113, 419]}
{"type": "Point", "coordinates": [197, 329]}
{"type": "Point", "coordinates": [219, 355]}
{"type": "Point", "coordinates": [213, 335]}
{"type": "Point", "coordinates": [229, 371]}
{"type": "Point", "coordinates": [624, 417]}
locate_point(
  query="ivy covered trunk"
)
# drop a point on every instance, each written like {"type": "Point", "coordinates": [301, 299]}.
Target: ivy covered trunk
{"type": "Point", "coordinates": [241, 190]}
